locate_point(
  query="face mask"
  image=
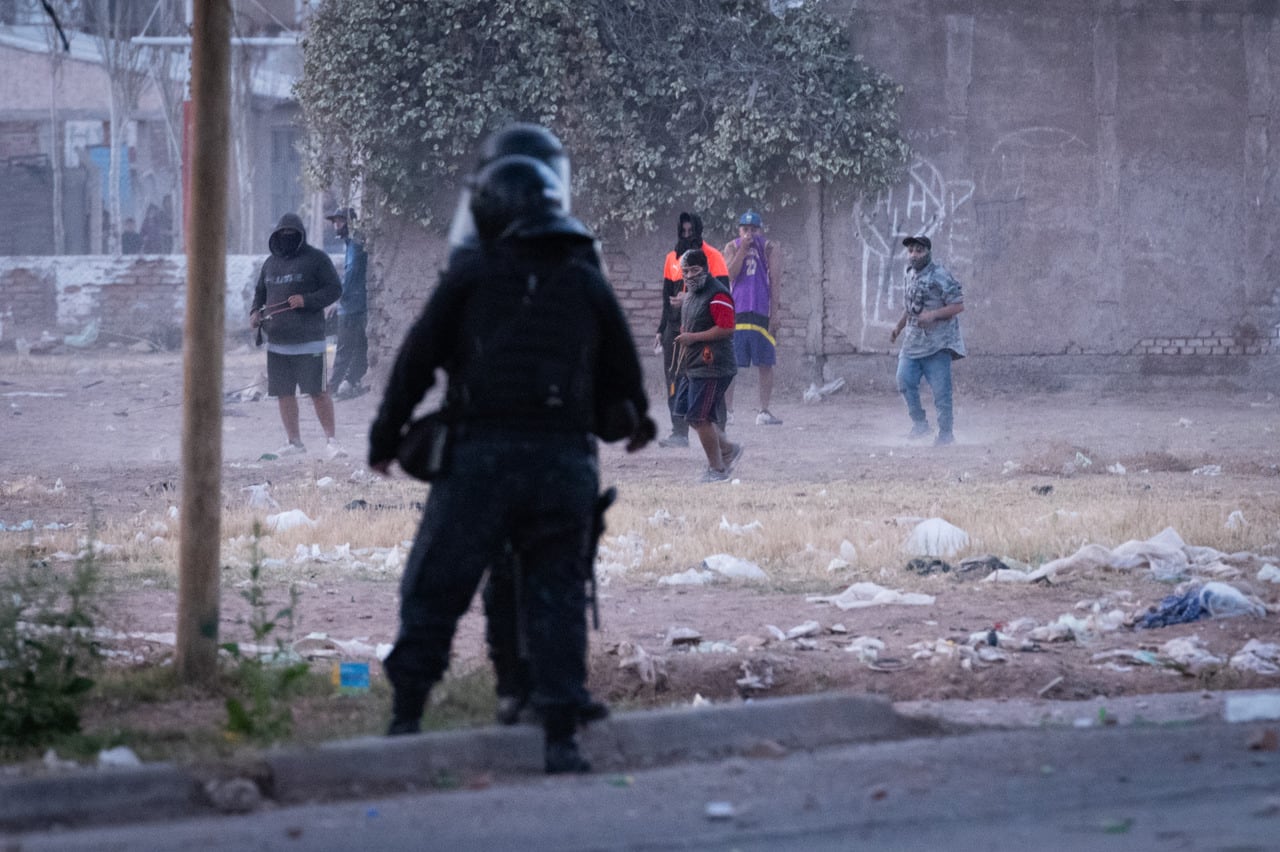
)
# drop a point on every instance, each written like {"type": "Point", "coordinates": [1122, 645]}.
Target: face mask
{"type": "Point", "coordinates": [695, 283]}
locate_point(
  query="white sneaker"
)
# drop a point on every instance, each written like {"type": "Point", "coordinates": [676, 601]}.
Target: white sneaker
{"type": "Point", "coordinates": [765, 418]}
{"type": "Point", "coordinates": [334, 449]}
{"type": "Point", "coordinates": [291, 449]}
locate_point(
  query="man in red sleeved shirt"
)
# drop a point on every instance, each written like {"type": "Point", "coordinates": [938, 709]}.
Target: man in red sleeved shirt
{"type": "Point", "coordinates": [688, 237]}
{"type": "Point", "coordinates": [704, 352]}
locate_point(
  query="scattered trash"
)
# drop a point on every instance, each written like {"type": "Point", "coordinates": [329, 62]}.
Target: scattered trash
{"type": "Point", "coordinates": [351, 678]}
{"type": "Point", "coordinates": [814, 394]}
{"type": "Point", "coordinates": [1190, 655]}
{"type": "Point", "coordinates": [118, 756]}
{"type": "Point", "coordinates": [291, 519]}
{"type": "Point", "coordinates": [682, 636]}
{"type": "Point", "coordinates": [733, 567]}
{"type": "Point", "coordinates": [981, 564]}
{"type": "Point", "coordinates": [1010, 467]}
{"type": "Point", "coordinates": [924, 567]}
{"type": "Point", "coordinates": [1040, 693]}
{"type": "Point", "coordinates": [936, 537]}
{"type": "Point", "coordinates": [1183, 422]}
{"type": "Point", "coordinates": [1117, 469]}
{"type": "Point", "coordinates": [85, 338]}
{"type": "Point", "coordinates": [867, 648]}
{"type": "Point", "coordinates": [1236, 521]}
{"type": "Point", "coordinates": [648, 670]}
{"type": "Point", "coordinates": [1269, 573]}
{"type": "Point", "coordinates": [870, 594]}
{"type": "Point", "coordinates": [1042, 490]}
{"type": "Point", "coordinates": [809, 628]}
{"type": "Point", "coordinates": [1208, 470]}
{"type": "Point", "coordinates": [1081, 460]}
{"type": "Point", "coordinates": [739, 529]}
{"type": "Point", "coordinates": [260, 496]}
{"type": "Point", "coordinates": [848, 552]}
{"type": "Point", "coordinates": [1260, 657]}
{"type": "Point", "coordinates": [1213, 600]}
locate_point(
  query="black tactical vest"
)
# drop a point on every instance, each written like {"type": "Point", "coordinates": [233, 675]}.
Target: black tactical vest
{"type": "Point", "coordinates": [528, 342]}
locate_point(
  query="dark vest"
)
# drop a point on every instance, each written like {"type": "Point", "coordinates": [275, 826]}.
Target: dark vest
{"type": "Point", "coordinates": [528, 342]}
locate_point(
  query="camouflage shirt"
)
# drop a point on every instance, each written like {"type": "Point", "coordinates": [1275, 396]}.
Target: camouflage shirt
{"type": "Point", "coordinates": [927, 290]}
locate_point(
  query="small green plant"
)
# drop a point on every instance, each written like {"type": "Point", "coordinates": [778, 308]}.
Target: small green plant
{"type": "Point", "coordinates": [265, 683]}
{"type": "Point", "coordinates": [47, 649]}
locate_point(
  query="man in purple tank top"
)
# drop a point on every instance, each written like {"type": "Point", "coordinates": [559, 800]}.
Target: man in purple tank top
{"type": "Point", "coordinates": [755, 268]}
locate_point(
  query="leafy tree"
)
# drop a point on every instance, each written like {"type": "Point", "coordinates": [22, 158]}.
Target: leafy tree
{"type": "Point", "coordinates": [720, 102]}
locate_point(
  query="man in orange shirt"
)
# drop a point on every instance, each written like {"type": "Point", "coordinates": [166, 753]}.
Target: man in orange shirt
{"type": "Point", "coordinates": [688, 237]}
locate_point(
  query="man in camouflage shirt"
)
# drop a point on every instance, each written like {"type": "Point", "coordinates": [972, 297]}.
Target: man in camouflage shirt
{"type": "Point", "coordinates": [932, 340]}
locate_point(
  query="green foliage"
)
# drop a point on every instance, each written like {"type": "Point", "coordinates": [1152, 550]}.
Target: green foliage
{"type": "Point", "coordinates": [47, 649]}
{"type": "Point", "coordinates": [265, 684]}
{"type": "Point", "coordinates": [721, 103]}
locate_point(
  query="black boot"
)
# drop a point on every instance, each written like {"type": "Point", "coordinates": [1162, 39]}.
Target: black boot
{"type": "Point", "coordinates": [511, 709]}
{"type": "Point", "coordinates": [561, 754]}
{"type": "Point", "coordinates": [592, 711]}
{"type": "Point", "coordinates": [406, 711]}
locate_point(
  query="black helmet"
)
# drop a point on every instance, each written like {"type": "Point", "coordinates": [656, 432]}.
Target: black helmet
{"type": "Point", "coordinates": [513, 190]}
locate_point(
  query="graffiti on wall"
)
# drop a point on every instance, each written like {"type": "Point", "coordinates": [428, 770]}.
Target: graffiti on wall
{"type": "Point", "coordinates": [929, 203]}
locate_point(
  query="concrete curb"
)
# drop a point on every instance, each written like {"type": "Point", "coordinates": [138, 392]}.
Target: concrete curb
{"type": "Point", "coordinates": [628, 741]}
{"type": "Point", "coordinates": [372, 765]}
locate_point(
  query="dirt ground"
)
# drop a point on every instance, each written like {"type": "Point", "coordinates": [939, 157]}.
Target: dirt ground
{"type": "Point", "coordinates": [97, 435]}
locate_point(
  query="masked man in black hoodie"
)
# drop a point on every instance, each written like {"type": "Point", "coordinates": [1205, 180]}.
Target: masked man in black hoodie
{"type": "Point", "coordinates": [297, 282]}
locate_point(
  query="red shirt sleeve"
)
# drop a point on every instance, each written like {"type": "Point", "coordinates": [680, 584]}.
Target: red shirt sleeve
{"type": "Point", "coordinates": [722, 312]}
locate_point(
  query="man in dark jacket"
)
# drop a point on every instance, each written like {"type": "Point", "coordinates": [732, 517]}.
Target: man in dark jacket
{"type": "Point", "coordinates": [535, 346]}
{"type": "Point", "coordinates": [296, 284]}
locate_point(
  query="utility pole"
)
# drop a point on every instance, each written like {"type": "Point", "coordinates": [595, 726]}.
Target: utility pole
{"type": "Point", "coordinates": [206, 230]}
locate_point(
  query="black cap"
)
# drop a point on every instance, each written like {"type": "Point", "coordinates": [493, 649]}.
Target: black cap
{"type": "Point", "coordinates": [920, 240]}
{"type": "Point", "coordinates": [342, 213]}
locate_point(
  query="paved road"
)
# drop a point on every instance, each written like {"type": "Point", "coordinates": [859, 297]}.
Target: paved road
{"type": "Point", "coordinates": [1185, 786]}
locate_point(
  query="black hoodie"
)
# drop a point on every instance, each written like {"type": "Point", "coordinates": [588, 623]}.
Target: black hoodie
{"type": "Point", "coordinates": [295, 268]}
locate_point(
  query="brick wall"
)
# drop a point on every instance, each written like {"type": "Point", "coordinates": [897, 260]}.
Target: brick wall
{"type": "Point", "coordinates": [139, 296]}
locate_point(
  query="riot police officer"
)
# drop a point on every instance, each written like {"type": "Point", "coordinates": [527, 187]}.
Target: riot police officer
{"type": "Point", "coordinates": [539, 357]}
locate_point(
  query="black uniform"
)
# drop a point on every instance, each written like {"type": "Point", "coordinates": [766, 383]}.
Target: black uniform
{"type": "Point", "coordinates": [533, 342]}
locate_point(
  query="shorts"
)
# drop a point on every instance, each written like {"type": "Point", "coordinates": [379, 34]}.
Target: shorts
{"type": "Point", "coordinates": [752, 348]}
{"type": "Point", "coordinates": [288, 374]}
{"type": "Point", "coordinates": [699, 399]}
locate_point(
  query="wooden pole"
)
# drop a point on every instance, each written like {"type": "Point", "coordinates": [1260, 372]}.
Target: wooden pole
{"type": "Point", "coordinates": [201, 521]}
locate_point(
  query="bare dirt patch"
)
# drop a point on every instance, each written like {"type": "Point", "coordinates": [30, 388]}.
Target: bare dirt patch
{"type": "Point", "coordinates": [95, 439]}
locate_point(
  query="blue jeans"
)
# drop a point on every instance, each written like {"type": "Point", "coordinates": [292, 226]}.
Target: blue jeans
{"type": "Point", "coordinates": [936, 370]}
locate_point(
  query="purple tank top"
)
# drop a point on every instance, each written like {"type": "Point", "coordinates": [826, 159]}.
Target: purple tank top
{"type": "Point", "coordinates": [751, 286]}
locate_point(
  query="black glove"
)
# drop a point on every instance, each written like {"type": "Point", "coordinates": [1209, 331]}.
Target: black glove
{"type": "Point", "coordinates": [646, 430]}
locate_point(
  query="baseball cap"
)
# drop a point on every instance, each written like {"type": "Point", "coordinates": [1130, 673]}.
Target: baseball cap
{"type": "Point", "coordinates": [921, 240]}
{"type": "Point", "coordinates": [751, 218]}
{"type": "Point", "coordinates": [342, 213]}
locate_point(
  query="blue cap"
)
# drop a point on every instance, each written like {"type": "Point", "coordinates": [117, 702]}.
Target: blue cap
{"type": "Point", "coordinates": [751, 218]}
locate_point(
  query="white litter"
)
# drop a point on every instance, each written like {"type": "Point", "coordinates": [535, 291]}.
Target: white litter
{"type": "Point", "coordinates": [1117, 469]}
{"type": "Point", "coordinates": [848, 552]}
{"type": "Point", "coordinates": [861, 595]}
{"type": "Point", "coordinates": [1236, 521]}
{"type": "Point", "coordinates": [1208, 470]}
{"type": "Point", "coordinates": [1260, 657]}
{"type": "Point", "coordinates": [739, 529]}
{"type": "Point", "coordinates": [288, 520]}
{"type": "Point", "coordinates": [1190, 653]}
{"type": "Point", "coordinates": [692, 577]}
{"type": "Point", "coordinates": [1269, 573]}
{"type": "Point", "coordinates": [936, 537]}
{"type": "Point", "coordinates": [1251, 708]}
{"type": "Point", "coordinates": [118, 756]}
{"type": "Point", "coordinates": [809, 628]}
{"type": "Point", "coordinates": [867, 648]}
{"type": "Point", "coordinates": [733, 567]}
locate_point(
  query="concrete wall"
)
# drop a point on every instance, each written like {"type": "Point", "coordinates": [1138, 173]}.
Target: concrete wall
{"type": "Point", "coordinates": [1098, 173]}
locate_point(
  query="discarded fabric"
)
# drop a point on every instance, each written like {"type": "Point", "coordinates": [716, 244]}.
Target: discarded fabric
{"type": "Point", "coordinates": [1211, 600]}
{"type": "Point", "coordinates": [870, 594]}
{"type": "Point", "coordinates": [936, 537]}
